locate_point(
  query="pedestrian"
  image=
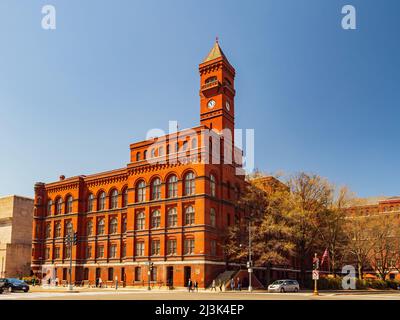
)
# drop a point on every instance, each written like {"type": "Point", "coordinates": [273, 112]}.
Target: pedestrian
{"type": "Point", "coordinates": [116, 282]}
{"type": "Point", "coordinates": [213, 286]}
{"type": "Point", "coordinates": [190, 285]}
{"type": "Point", "coordinates": [196, 286]}
{"type": "Point", "coordinates": [220, 285]}
{"type": "Point", "coordinates": [100, 283]}
{"type": "Point", "coordinates": [239, 285]}
{"type": "Point", "coordinates": [57, 280]}
{"type": "Point", "coordinates": [232, 284]}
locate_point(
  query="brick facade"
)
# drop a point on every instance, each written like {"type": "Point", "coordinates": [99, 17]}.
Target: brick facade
{"type": "Point", "coordinates": [170, 205]}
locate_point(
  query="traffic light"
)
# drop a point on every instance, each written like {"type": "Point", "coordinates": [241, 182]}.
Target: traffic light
{"type": "Point", "coordinates": [75, 238]}
{"type": "Point", "coordinates": [151, 266]}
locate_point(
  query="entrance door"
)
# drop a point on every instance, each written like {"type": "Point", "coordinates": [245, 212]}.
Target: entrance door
{"type": "Point", "coordinates": [170, 276]}
{"type": "Point", "coordinates": [188, 275]}
{"type": "Point", "coordinates": [98, 273]}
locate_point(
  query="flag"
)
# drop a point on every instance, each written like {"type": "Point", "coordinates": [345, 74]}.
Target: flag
{"type": "Point", "coordinates": [325, 256]}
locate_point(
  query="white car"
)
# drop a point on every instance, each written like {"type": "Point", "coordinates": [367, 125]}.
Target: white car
{"type": "Point", "coordinates": [284, 286]}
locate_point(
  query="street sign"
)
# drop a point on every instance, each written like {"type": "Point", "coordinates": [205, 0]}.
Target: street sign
{"type": "Point", "coordinates": [315, 275]}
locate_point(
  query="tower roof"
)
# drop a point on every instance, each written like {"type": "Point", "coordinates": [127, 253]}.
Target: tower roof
{"type": "Point", "coordinates": [216, 52]}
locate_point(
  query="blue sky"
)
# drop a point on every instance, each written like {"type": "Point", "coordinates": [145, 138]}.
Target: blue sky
{"type": "Point", "coordinates": [320, 98]}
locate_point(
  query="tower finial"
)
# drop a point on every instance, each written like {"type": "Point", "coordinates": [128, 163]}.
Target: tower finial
{"type": "Point", "coordinates": [216, 39]}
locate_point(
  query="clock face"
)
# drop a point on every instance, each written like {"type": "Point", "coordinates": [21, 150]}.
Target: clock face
{"type": "Point", "coordinates": [211, 104]}
{"type": "Point", "coordinates": [228, 106]}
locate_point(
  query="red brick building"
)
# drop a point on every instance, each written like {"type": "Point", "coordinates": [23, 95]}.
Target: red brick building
{"type": "Point", "coordinates": [167, 208]}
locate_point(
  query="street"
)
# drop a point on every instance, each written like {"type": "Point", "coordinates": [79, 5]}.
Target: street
{"type": "Point", "coordinates": [132, 294]}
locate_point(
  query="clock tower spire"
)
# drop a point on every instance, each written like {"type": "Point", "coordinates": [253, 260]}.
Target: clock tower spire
{"type": "Point", "coordinates": [217, 91]}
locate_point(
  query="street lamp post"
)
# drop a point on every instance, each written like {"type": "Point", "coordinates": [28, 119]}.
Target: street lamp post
{"type": "Point", "coordinates": [72, 239]}
{"type": "Point", "coordinates": [69, 240]}
{"type": "Point", "coordinates": [250, 263]}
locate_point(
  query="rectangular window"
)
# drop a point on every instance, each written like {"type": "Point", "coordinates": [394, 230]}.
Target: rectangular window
{"type": "Point", "coordinates": [213, 247]}
{"type": "Point", "coordinates": [153, 274]}
{"type": "Point", "coordinates": [140, 249]}
{"type": "Point", "coordinates": [171, 244]}
{"type": "Point", "coordinates": [189, 246]}
{"type": "Point", "coordinates": [47, 253]}
{"type": "Point", "coordinates": [155, 248]}
{"type": "Point", "coordinates": [57, 253]}
{"type": "Point", "coordinates": [88, 252]}
{"type": "Point", "coordinates": [113, 251]}
{"type": "Point", "coordinates": [67, 254]}
{"type": "Point", "coordinates": [100, 251]}
{"type": "Point", "coordinates": [123, 251]}
{"type": "Point", "coordinates": [138, 274]}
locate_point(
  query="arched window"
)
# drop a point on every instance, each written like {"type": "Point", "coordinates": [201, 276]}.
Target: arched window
{"type": "Point", "coordinates": [69, 229]}
{"type": "Point", "coordinates": [48, 230]}
{"type": "Point", "coordinates": [212, 217]}
{"type": "Point", "coordinates": [156, 189]}
{"type": "Point", "coordinates": [125, 197]}
{"type": "Point", "coordinates": [153, 153]}
{"type": "Point", "coordinates": [184, 145]}
{"type": "Point", "coordinates": [172, 186]}
{"type": "Point", "coordinates": [100, 226]}
{"type": "Point", "coordinates": [145, 154]}
{"type": "Point", "coordinates": [161, 151]}
{"type": "Point", "coordinates": [140, 221]}
{"type": "Point", "coordinates": [49, 207]}
{"type": "Point", "coordinates": [90, 203]}
{"type": "Point", "coordinates": [57, 231]}
{"type": "Point", "coordinates": [114, 199]}
{"type": "Point", "coordinates": [138, 156]}
{"type": "Point", "coordinates": [172, 217]}
{"type": "Point", "coordinates": [141, 192]}
{"type": "Point", "coordinates": [155, 219]}
{"type": "Point", "coordinates": [89, 228]}
{"type": "Point", "coordinates": [101, 205]}
{"type": "Point", "coordinates": [212, 185]}
{"type": "Point", "coordinates": [189, 216]}
{"type": "Point", "coordinates": [124, 224]}
{"type": "Point", "coordinates": [113, 226]}
{"type": "Point", "coordinates": [68, 205]}
{"type": "Point", "coordinates": [59, 203]}
{"type": "Point", "coordinates": [189, 184]}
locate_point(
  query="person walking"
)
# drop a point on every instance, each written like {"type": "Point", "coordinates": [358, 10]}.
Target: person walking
{"type": "Point", "coordinates": [220, 285]}
{"type": "Point", "coordinates": [100, 283]}
{"type": "Point", "coordinates": [57, 280]}
{"type": "Point", "coordinates": [232, 284]}
{"type": "Point", "coordinates": [196, 286]}
{"type": "Point", "coordinates": [189, 285]}
{"type": "Point", "coordinates": [116, 282]}
{"type": "Point", "coordinates": [239, 284]}
{"type": "Point", "coordinates": [213, 286]}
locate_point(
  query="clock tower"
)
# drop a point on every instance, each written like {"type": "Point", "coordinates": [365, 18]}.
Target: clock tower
{"type": "Point", "coordinates": [217, 91]}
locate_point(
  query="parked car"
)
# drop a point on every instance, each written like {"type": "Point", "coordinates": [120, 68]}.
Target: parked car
{"type": "Point", "coordinates": [284, 286]}
{"type": "Point", "coordinates": [13, 284]}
